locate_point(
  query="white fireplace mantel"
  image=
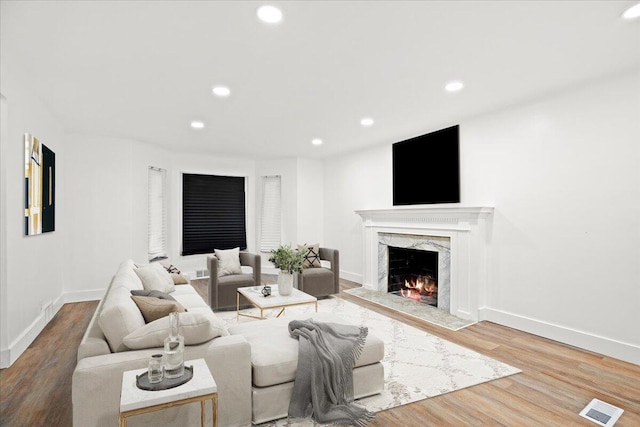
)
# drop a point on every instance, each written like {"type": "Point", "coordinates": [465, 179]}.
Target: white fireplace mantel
{"type": "Point", "coordinates": [434, 216]}
{"type": "Point", "coordinates": [468, 229]}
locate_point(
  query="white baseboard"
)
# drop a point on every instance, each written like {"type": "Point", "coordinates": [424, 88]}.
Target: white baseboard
{"type": "Point", "coordinates": [5, 358]}
{"type": "Point", "coordinates": [24, 340]}
{"type": "Point", "coordinates": [606, 346]}
{"type": "Point", "coordinates": [347, 275]}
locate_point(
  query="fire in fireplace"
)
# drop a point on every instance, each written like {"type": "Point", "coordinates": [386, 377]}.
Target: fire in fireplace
{"type": "Point", "coordinates": [413, 274]}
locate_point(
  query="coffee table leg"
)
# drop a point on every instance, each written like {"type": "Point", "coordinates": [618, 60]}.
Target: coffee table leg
{"type": "Point", "coordinates": [316, 306]}
{"type": "Point", "coordinates": [214, 409]}
{"type": "Point", "coordinates": [237, 306]}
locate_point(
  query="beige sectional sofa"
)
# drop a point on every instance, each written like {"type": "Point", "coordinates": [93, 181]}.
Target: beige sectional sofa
{"type": "Point", "coordinates": [252, 362]}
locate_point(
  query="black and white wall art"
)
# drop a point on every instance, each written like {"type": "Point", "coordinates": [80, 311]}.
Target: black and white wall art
{"type": "Point", "coordinates": [39, 187]}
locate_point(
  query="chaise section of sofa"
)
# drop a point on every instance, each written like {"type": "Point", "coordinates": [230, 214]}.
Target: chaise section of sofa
{"type": "Point", "coordinates": [274, 360]}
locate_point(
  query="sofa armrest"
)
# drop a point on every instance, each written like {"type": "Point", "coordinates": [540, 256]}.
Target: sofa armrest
{"type": "Point", "coordinates": [333, 256]}
{"type": "Point", "coordinates": [212, 266]}
{"type": "Point", "coordinates": [97, 382]}
{"type": "Point", "coordinates": [253, 261]}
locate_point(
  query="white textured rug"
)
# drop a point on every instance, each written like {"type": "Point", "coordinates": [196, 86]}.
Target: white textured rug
{"type": "Point", "coordinates": [417, 365]}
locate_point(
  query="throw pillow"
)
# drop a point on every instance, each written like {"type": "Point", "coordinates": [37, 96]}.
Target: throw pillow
{"type": "Point", "coordinates": [228, 261]}
{"type": "Point", "coordinates": [155, 277]}
{"type": "Point", "coordinates": [195, 327]}
{"type": "Point", "coordinates": [311, 255]}
{"type": "Point", "coordinates": [155, 308]}
{"type": "Point", "coordinates": [176, 275]}
{"type": "Point", "coordinates": [155, 294]}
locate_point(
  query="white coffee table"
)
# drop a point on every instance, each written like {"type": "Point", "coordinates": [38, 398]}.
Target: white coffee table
{"type": "Point", "coordinates": [274, 301]}
{"type": "Point", "coordinates": [202, 387]}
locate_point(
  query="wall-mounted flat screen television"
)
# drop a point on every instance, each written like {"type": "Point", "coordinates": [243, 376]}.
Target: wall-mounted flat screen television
{"type": "Point", "coordinates": [426, 169]}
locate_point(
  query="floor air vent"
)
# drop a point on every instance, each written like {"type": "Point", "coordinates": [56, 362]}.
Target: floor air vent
{"type": "Point", "coordinates": [601, 413]}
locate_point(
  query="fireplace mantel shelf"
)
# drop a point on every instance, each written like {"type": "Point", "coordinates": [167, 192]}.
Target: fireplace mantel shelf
{"type": "Point", "coordinates": [435, 210]}
{"type": "Point", "coordinates": [425, 215]}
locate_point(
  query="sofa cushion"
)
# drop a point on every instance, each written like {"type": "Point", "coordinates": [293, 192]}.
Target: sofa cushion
{"type": "Point", "coordinates": [196, 327]}
{"type": "Point", "coordinates": [176, 275]}
{"type": "Point", "coordinates": [154, 308]}
{"type": "Point", "coordinates": [119, 317]}
{"type": "Point", "coordinates": [274, 353]}
{"type": "Point", "coordinates": [126, 277]}
{"type": "Point", "coordinates": [228, 261]}
{"type": "Point", "coordinates": [311, 255]}
{"type": "Point", "coordinates": [155, 278]}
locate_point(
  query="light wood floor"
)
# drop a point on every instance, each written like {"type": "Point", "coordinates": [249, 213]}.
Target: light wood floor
{"type": "Point", "coordinates": [556, 383]}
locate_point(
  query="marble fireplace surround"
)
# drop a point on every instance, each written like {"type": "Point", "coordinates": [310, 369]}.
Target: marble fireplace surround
{"type": "Point", "coordinates": [441, 245]}
{"type": "Point", "coordinates": [460, 235]}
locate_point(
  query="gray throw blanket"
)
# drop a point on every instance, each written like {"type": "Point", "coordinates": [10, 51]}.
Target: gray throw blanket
{"type": "Point", "coordinates": [323, 387]}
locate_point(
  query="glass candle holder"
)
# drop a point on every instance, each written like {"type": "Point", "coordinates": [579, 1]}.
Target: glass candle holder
{"type": "Point", "coordinates": [156, 370]}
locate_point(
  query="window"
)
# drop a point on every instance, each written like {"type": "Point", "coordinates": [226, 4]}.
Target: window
{"type": "Point", "coordinates": [213, 213]}
{"type": "Point", "coordinates": [270, 214]}
{"type": "Point", "coordinates": [157, 213]}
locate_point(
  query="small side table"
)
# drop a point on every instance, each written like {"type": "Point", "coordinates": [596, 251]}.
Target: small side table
{"type": "Point", "coordinates": [201, 388]}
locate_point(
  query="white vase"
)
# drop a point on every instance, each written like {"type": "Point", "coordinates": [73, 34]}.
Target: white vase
{"type": "Point", "coordinates": [285, 283]}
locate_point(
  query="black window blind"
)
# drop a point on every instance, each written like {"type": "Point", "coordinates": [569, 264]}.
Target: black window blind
{"type": "Point", "coordinates": [213, 213]}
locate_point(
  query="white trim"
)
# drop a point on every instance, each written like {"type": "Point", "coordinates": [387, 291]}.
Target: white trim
{"type": "Point", "coordinates": [606, 346]}
{"type": "Point", "coordinates": [4, 142]}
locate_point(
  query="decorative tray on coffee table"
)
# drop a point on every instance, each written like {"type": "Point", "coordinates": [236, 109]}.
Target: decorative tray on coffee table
{"type": "Point", "coordinates": [142, 381]}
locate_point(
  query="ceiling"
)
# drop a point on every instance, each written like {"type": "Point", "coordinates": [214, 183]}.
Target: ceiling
{"type": "Point", "coordinates": [144, 70]}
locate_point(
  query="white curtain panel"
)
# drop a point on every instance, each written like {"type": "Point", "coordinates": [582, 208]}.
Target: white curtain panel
{"type": "Point", "coordinates": [157, 212]}
{"type": "Point", "coordinates": [271, 214]}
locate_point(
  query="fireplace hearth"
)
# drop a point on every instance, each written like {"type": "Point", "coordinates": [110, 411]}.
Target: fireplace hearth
{"type": "Point", "coordinates": [413, 274]}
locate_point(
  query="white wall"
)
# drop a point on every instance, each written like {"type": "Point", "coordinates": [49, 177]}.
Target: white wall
{"type": "Point", "coordinates": [109, 198]}
{"type": "Point", "coordinates": [564, 177]}
{"type": "Point", "coordinates": [32, 266]}
{"type": "Point", "coordinates": [310, 202]}
{"type": "Point", "coordinates": [356, 181]}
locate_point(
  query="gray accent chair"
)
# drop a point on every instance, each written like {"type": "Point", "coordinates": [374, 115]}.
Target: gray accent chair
{"type": "Point", "coordinates": [320, 281]}
{"type": "Point", "coordinates": [222, 290]}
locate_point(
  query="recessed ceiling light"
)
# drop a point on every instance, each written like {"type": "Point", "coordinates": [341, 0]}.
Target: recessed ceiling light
{"type": "Point", "coordinates": [316, 141]}
{"type": "Point", "coordinates": [632, 12]}
{"type": "Point", "coordinates": [367, 121]}
{"type": "Point", "coordinates": [454, 86]}
{"type": "Point", "coordinates": [197, 124]}
{"type": "Point", "coordinates": [221, 91]}
{"type": "Point", "coordinates": [269, 14]}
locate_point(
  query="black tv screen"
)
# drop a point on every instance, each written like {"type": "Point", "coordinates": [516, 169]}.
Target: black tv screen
{"type": "Point", "coordinates": [426, 169]}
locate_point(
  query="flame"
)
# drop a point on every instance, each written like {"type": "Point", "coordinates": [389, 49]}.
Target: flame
{"type": "Point", "coordinates": [418, 286]}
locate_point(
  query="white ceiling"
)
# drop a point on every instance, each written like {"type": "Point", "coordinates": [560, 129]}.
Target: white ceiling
{"type": "Point", "coordinates": [143, 70]}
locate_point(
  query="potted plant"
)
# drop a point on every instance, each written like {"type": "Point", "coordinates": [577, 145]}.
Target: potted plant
{"type": "Point", "coordinates": [288, 261]}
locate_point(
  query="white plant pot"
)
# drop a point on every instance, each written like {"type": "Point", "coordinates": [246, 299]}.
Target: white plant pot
{"type": "Point", "coordinates": [285, 283]}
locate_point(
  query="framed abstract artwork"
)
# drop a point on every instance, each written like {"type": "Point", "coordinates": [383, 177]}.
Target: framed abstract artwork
{"type": "Point", "coordinates": [39, 187]}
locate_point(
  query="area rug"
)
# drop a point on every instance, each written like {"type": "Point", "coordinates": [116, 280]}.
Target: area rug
{"type": "Point", "coordinates": [417, 365]}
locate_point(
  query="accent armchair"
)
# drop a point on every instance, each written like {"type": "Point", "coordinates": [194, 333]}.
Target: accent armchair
{"type": "Point", "coordinates": [321, 281]}
{"type": "Point", "coordinates": [222, 290]}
